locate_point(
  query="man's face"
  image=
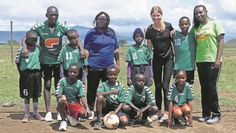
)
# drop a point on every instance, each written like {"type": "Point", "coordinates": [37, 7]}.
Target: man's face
{"type": "Point", "coordinates": [52, 15]}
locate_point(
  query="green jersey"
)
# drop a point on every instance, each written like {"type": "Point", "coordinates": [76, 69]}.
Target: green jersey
{"type": "Point", "coordinates": [113, 98]}
{"type": "Point", "coordinates": [179, 98]}
{"type": "Point", "coordinates": [207, 43]}
{"type": "Point", "coordinates": [143, 98]}
{"type": "Point", "coordinates": [31, 62]}
{"type": "Point", "coordinates": [72, 91]}
{"type": "Point", "coordinates": [184, 46]}
{"type": "Point", "coordinates": [139, 55]}
{"type": "Point", "coordinates": [50, 41]}
{"type": "Point", "coordinates": [69, 55]}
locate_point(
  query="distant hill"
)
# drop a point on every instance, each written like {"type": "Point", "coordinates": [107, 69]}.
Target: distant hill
{"type": "Point", "coordinates": [18, 35]}
{"type": "Point", "coordinates": [230, 43]}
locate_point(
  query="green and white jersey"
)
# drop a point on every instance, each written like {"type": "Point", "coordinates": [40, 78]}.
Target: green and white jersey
{"type": "Point", "coordinates": [139, 55]}
{"type": "Point", "coordinates": [72, 91]}
{"type": "Point", "coordinates": [50, 41]}
{"type": "Point", "coordinates": [70, 55]}
{"type": "Point", "coordinates": [113, 98]}
{"type": "Point", "coordinates": [30, 63]}
{"type": "Point", "coordinates": [185, 47]}
{"type": "Point", "coordinates": [144, 98]}
{"type": "Point", "coordinates": [179, 98]}
{"type": "Point", "coordinates": [207, 44]}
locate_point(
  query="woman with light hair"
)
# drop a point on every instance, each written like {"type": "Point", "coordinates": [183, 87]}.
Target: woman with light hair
{"type": "Point", "coordinates": [159, 39]}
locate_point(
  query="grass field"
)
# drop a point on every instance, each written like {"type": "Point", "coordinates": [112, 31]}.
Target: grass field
{"type": "Point", "coordinates": [226, 86]}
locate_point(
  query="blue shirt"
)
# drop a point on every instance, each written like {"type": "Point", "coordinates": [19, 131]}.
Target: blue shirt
{"type": "Point", "coordinates": [101, 47]}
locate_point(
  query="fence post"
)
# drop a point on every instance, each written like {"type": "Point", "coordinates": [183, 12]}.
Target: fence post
{"type": "Point", "coordinates": [11, 41]}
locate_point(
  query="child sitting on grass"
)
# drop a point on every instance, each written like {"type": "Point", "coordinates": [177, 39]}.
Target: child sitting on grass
{"type": "Point", "coordinates": [110, 98]}
{"type": "Point", "coordinates": [140, 102]}
{"type": "Point", "coordinates": [70, 92]}
{"type": "Point", "coordinates": [180, 100]}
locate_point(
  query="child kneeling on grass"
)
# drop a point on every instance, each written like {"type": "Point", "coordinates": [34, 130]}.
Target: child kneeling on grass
{"type": "Point", "coordinates": [140, 102]}
{"type": "Point", "coordinates": [30, 76]}
{"type": "Point", "coordinates": [70, 92]}
{"type": "Point", "coordinates": [180, 100]}
{"type": "Point", "coordinates": [110, 98]}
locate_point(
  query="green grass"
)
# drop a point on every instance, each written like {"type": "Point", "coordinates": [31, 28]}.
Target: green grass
{"type": "Point", "coordinates": [9, 78]}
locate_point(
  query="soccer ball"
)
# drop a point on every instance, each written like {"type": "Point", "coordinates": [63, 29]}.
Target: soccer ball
{"type": "Point", "coordinates": [111, 120]}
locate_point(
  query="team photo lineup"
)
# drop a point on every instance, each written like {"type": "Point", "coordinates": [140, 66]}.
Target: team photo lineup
{"type": "Point", "coordinates": [85, 73]}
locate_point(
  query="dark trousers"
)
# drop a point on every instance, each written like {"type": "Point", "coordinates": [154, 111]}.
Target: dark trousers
{"type": "Point", "coordinates": [162, 82]}
{"type": "Point", "coordinates": [94, 77]}
{"type": "Point", "coordinates": [208, 78]}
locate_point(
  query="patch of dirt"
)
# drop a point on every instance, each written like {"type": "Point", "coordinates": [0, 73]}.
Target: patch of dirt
{"type": "Point", "coordinates": [10, 122]}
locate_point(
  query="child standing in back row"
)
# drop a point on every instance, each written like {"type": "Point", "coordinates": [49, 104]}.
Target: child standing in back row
{"type": "Point", "coordinates": [30, 76]}
{"type": "Point", "coordinates": [70, 54]}
{"type": "Point", "coordinates": [139, 58]}
{"type": "Point", "coordinates": [185, 47]}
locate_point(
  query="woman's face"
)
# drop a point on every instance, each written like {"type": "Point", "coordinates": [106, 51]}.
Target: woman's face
{"type": "Point", "coordinates": [156, 17]}
{"type": "Point", "coordinates": [102, 21]}
{"type": "Point", "coordinates": [200, 14]}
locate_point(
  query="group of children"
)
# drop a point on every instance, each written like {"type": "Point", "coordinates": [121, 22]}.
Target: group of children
{"type": "Point", "coordinates": [137, 102]}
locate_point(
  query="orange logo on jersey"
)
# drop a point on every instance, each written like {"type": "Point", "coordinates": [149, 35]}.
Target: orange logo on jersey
{"type": "Point", "coordinates": [50, 42]}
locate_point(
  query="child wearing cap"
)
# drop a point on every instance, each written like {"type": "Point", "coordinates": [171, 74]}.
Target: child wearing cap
{"type": "Point", "coordinates": [139, 59]}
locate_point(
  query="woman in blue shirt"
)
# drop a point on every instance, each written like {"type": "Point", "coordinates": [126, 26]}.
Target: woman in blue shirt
{"type": "Point", "coordinates": [102, 48]}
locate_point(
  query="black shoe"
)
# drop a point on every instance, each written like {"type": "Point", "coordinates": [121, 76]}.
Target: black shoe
{"type": "Point", "coordinates": [147, 124]}
{"type": "Point", "coordinates": [97, 125]}
{"type": "Point", "coordinates": [132, 122]}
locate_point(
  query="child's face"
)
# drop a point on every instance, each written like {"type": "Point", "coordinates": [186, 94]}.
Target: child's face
{"type": "Point", "coordinates": [181, 78]}
{"type": "Point", "coordinates": [112, 75]}
{"type": "Point", "coordinates": [73, 73]}
{"type": "Point", "coordinates": [139, 81]}
{"type": "Point", "coordinates": [138, 39]}
{"type": "Point", "coordinates": [31, 41]}
{"type": "Point", "coordinates": [184, 25]}
{"type": "Point", "coordinates": [73, 38]}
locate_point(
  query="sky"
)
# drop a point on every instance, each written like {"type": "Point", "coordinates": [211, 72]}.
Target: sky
{"type": "Point", "coordinates": [126, 15]}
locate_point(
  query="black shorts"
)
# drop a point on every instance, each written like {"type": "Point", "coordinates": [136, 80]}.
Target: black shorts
{"type": "Point", "coordinates": [109, 107]}
{"type": "Point", "coordinates": [133, 113]}
{"type": "Point", "coordinates": [30, 84]}
{"type": "Point", "coordinates": [190, 76]}
{"type": "Point", "coordinates": [49, 71]}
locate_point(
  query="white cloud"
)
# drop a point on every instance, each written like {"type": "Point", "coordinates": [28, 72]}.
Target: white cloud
{"type": "Point", "coordinates": [25, 13]}
{"type": "Point", "coordinates": [228, 5]}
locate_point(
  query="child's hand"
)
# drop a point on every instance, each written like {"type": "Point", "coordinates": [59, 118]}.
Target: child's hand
{"type": "Point", "coordinates": [172, 33]}
{"type": "Point", "coordinates": [129, 82]}
{"type": "Point", "coordinates": [190, 122]}
{"type": "Point", "coordinates": [115, 92]}
{"type": "Point", "coordinates": [62, 98]}
{"type": "Point", "coordinates": [139, 115]}
{"type": "Point", "coordinates": [82, 54]}
{"type": "Point", "coordinates": [25, 53]}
